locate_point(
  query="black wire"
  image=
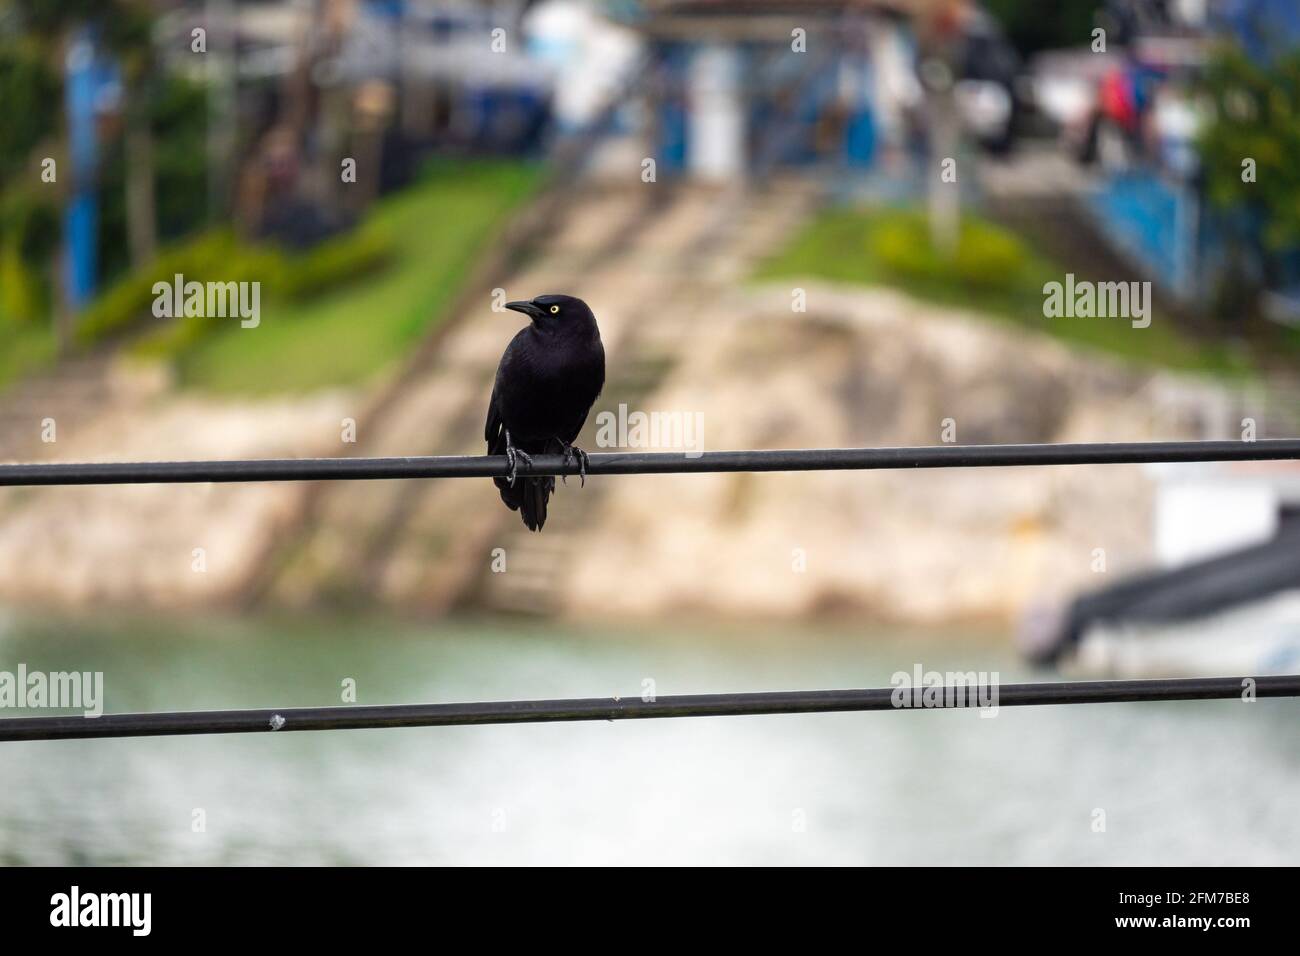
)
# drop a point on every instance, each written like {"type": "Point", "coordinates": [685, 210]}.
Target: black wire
{"type": "Point", "coordinates": [416, 715]}
{"type": "Point", "coordinates": [647, 463]}
{"type": "Point", "coordinates": [605, 708]}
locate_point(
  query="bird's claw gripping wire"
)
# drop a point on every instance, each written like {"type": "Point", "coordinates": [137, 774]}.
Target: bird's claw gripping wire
{"type": "Point", "coordinates": [513, 457]}
{"type": "Point", "coordinates": [573, 453]}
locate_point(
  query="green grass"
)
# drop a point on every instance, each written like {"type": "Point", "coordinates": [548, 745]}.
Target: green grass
{"type": "Point", "coordinates": [993, 273]}
{"type": "Point", "coordinates": [441, 225]}
{"type": "Point", "coordinates": [24, 348]}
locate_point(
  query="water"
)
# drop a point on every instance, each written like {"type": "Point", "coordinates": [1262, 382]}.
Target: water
{"type": "Point", "coordinates": [1179, 783]}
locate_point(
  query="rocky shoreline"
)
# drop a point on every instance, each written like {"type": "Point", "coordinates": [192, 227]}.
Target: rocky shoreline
{"type": "Point", "coordinates": [860, 367]}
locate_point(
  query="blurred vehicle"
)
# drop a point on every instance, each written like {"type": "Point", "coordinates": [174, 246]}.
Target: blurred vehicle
{"type": "Point", "coordinates": [986, 91]}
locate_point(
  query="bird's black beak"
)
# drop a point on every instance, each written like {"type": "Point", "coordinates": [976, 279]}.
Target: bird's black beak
{"type": "Point", "coordinates": [527, 308]}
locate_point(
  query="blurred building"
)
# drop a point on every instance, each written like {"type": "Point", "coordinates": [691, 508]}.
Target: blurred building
{"type": "Point", "coordinates": [296, 87]}
{"type": "Point", "coordinates": [741, 88]}
{"type": "Point", "coordinates": [1132, 112]}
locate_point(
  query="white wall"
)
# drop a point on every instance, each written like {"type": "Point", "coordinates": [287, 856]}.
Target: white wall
{"type": "Point", "coordinates": [716, 132]}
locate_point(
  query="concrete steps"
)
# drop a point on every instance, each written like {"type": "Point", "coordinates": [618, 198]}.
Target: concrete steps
{"type": "Point", "coordinates": [71, 393]}
{"type": "Point", "coordinates": [738, 232]}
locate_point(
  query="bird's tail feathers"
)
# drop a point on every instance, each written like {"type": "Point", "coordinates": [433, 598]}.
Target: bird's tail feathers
{"type": "Point", "coordinates": [532, 507]}
{"type": "Point", "coordinates": [528, 496]}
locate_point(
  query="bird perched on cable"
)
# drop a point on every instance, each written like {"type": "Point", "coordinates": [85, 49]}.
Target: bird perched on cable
{"type": "Point", "coordinates": [549, 377]}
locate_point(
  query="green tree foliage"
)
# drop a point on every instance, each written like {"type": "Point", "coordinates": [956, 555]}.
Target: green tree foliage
{"type": "Point", "coordinates": [29, 90]}
{"type": "Point", "coordinates": [1251, 141]}
{"type": "Point", "coordinates": [178, 117]}
{"type": "Point", "coordinates": [49, 18]}
{"type": "Point", "coordinates": [28, 236]}
{"type": "Point", "coordinates": [33, 34]}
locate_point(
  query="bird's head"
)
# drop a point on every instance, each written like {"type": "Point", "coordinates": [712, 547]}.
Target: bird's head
{"type": "Point", "coordinates": [555, 312]}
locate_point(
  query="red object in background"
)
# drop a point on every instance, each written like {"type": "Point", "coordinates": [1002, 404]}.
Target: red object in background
{"type": "Point", "coordinates": [1117, 101]}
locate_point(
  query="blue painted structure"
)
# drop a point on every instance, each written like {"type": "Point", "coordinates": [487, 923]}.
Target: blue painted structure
{"type": "Point", "coordinates": [672, 67]}
{"type": "Point", "coordinates": [1261, 26]}
{"type": "Point", "coordinates": [87, 78]}
{"type": "Point", "coordinates": [1156, 214]}
{"type": "Point", "coordinates": [787, 96]}
{"type": "Point", "coordinates": [1149, 219]}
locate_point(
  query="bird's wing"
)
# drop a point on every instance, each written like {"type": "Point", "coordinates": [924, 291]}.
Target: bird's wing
{"type": "Point", "coordinates": [492, 428]}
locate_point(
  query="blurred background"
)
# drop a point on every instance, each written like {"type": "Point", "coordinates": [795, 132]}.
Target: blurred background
{"type": "Point", "coordinates": [809, 223]}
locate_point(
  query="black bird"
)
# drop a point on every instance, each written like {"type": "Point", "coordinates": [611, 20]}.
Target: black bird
{"type": "Point", "coordinates": [549, 377]}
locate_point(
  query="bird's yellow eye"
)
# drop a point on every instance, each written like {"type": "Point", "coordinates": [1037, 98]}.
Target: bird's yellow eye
{"type": "Point", "coordinates": [555, 310]}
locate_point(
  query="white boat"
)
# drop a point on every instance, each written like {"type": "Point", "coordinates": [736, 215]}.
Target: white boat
{"type": "Point", "coordinates": [1224, 598]}
{"type": "Point", "coordinates": [1253, 639]}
